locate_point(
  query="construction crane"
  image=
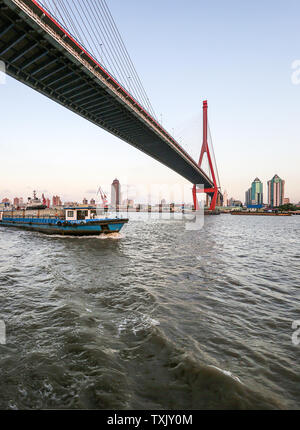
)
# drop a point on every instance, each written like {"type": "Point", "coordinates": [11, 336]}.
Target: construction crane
{"type": "Point", "coordinates": [103, 197]}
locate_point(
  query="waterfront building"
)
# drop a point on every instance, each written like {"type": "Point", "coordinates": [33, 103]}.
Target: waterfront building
{"type": "Point", "coordinates": [5, 200]}
{"type": "Point", "coordinates": [248, 197]}
{"type": "Point", "coordinates": [219, 201]}
{"type": "Point", "coordinates": [56, 201]}
{"type": "Point", "coordinates": [66, 204]}
{"type": "Point", "coordinates": [115, 193]}
{"type": "Point", "coordinates": [92, 202]}
{"type": "Point", "coordinates": [286, 201]}
{"type": "Point", "coordinates": [128, 203]}
{"type": "Point", "coordinates": [4, 205]}
{"type": "Point", "coordinates": [84, 201]}
{"type": "Point", "coordinates": [225, 198]}
{"type": "Point", "coordinates": [16, 202]}
{"type": "Point", "coordinates": [275, 191]}
{"type": "Point", "coordinates": [234, 203]}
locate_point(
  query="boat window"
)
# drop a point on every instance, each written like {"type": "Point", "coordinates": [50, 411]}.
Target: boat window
{"type": "Point", "coordinates": [70, 214]}
{"type": "Point", "coordinates": [81, 214]}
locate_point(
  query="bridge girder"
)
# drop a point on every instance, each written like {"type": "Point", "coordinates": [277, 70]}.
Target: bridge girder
{"type": "Point", "coordinates": [43, 46]}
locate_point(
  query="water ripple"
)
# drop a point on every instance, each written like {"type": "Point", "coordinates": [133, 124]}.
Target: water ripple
{"type": "Point", "coordinates": [158, 317]}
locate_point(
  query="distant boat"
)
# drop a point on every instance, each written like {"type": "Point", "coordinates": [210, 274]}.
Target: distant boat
{"type": "Point", "coordinates": [70, 221]}
{"type": "Point", "coordinates": [35, 203]}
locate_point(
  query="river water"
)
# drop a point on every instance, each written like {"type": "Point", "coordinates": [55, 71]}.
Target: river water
{"type": "Point", "coordinates": [158, 317]}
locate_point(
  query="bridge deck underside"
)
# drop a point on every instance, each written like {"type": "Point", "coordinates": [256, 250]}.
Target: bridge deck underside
{"type": "Point", "coordinates": [33, 57]}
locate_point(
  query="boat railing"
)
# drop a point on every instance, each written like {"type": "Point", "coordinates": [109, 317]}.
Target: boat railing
{"type": "Point", "coordinates": [35, 217]}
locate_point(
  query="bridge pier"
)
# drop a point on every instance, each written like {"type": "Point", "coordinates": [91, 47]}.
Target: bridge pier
{"type": "Point", "coordinates": [214, 191]}
{"type": "Point", "coordinates": [208, 191]}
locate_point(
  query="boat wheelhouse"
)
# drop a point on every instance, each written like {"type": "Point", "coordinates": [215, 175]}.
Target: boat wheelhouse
{"type": "Point", "coordinates": [78, 213]}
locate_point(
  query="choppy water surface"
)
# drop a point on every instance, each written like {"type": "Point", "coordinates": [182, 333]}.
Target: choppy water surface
{"type": "Point", "coordinates": [160, 317]}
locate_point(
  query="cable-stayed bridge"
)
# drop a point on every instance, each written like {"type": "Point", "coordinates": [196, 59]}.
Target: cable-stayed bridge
{"type": "Point", "coordinates": [72, 52]}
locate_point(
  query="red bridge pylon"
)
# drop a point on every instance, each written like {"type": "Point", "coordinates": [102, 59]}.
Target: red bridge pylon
{"type": "Point", "coordinates": [205, 149]}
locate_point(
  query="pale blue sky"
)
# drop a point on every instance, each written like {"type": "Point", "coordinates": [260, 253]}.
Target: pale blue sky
{"type": "Point", "coordinates": [235, 54]}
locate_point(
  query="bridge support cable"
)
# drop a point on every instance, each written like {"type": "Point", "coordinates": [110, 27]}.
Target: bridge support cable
{"type": "Point", "coordinates": [110, 35]}
{"type": "Point", "coordinates": [212, 151]}
{"type": "Point", "coordinates": [125, 53]}
{"type": "Point", "coordinates": [92, 25]}
{"type": "Point", "coordinates": [213, 191]}
{"type": "Point", "coordinates": [52, 62]}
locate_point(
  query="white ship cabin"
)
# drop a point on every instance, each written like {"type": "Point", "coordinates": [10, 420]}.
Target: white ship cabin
{"type": "Point", "coordinates": [80, 213]}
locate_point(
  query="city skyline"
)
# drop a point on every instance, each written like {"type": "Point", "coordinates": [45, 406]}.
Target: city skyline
{"type": "Point", "coordinates": [73, 145]}
{"type": "Point", "coordinates": [254, 196]}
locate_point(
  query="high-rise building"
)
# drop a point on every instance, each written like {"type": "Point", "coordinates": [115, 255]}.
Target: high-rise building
{"type": "Point", "coordinates": [248, 197]}
{"type": "Point", "coordinates": [254, 195]}
{"type": "Point", "coordinates": [275, 191]}
{"type": "Point", "coordinates": [257, 192]}
{"type": "Point", "coordinates": [115, 193]}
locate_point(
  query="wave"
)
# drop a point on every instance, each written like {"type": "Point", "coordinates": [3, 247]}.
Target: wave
{"type": "Point", "coordinates": [185, 380]}
{"type": "Point", "coordinates": [102, 236]}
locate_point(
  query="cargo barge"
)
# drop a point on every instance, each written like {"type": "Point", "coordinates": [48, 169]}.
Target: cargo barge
{"type": "Point", "coordinates": [70, 221]}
